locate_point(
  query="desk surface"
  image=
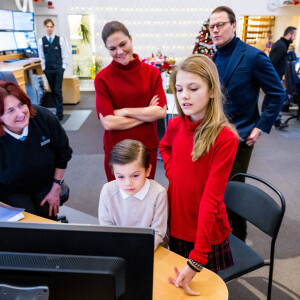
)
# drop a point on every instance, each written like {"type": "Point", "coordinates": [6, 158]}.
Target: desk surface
{"type": "Point", "coordinates": [210, 285]}
{"type": "Point", "coordinates": [20, 64]}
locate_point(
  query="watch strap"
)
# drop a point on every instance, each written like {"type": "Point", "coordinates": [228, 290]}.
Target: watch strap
{"type": "Point", "coordinates": [58, 181]}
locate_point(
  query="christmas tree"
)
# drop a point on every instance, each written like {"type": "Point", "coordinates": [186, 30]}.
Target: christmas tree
{"type": "Point", "coordinates": [204, 44]}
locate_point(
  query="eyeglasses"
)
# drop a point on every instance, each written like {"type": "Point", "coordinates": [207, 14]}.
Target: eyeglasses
{"type": "Point", "coordinates": [218, 25]}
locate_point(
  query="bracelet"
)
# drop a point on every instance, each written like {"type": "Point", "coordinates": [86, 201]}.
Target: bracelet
{"type": "Point", "coordinates": [197, 265]}
{"type": "Point", "coordinates": [192, 267]}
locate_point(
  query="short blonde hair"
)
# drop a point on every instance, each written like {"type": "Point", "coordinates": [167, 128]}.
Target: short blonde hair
{"type": "Point", "coordinates": [215, 119]}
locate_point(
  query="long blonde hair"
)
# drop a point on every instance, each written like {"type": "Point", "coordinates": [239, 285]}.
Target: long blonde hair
{"type": "Point", "coordinates": [214, 119]}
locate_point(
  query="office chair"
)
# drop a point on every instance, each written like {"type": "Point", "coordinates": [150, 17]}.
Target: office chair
{"type": "Point", "coordinates": [292, 82]}
{"type": "Point", "coordinates": [64, 196]}
{"type": "Point", "coordinates": [8, 76]}
{"type": "Point", "coordinates": [261, 210]}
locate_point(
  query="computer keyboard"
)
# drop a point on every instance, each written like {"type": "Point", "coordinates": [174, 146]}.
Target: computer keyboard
{"type": "Point", "coordinates": [12, 60]}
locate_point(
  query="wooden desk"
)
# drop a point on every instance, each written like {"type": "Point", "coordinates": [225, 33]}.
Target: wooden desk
{"type": "Point", "coordinates": [20, 69]}
{"type": "Point", "coordinates": [210, 285]}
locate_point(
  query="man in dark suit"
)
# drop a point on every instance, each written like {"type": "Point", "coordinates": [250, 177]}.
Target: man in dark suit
{"type": "Point", "coordinates": [279, 57]}
{"type": "Point", "coordinates": [243, 70]}
{"type": "Point", "coordinates": [54, 58]}
{"type": "Point", "coordinates": [278, 54]}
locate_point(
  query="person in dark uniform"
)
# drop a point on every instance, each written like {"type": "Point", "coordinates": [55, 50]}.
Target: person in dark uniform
{"type": "Point", "coordinates": [34, 153]}
{"type": "Point", "coordinates": [279, 51]}
{"type": "Point", "coordinates": [54, 58]}
{"type": "Point", "coordinates": [279, 57]}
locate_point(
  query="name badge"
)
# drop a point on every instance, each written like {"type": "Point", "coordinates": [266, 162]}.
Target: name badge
{"type": "Point", "coordinates": [45, 142]}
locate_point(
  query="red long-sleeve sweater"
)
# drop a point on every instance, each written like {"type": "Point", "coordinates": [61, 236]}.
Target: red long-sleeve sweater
{"type": "Point", "coordinates": [196, 189]}
{"type": "Point", "coordinates": [133, 85]}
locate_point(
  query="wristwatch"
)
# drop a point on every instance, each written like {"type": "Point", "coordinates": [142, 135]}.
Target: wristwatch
{"type": "Point", "coordinates": [260, 131]}
{"type": "Point", "coordinates": [60, 182]}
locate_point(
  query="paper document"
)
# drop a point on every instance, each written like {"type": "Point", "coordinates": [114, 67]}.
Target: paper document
{"type": "Point", "coordinates": [9, 213]}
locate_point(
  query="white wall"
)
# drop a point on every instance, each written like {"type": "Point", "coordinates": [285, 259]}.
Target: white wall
{"type": "Point", "coordinates": [171, 25]}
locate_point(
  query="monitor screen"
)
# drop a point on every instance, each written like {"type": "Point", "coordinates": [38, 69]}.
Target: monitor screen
{"type": "Point", "coordinates": [6, 20]}
{"type": "Point", "coordinates": [129, 251]}
{"type": "Point", "coordinates": [25, 39]}
{"type": "Point", "coordinates": [23, 21]}
{"type": "Point", "coordinates": [7, 41]}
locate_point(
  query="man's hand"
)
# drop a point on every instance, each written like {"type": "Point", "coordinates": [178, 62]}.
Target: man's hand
{"type": "Point", "coordinates": [253, 137]}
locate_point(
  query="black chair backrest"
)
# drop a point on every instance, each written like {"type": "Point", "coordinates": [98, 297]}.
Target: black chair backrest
{"type": "Point", "coordinates": [64, 193]}
{"type": "Point", "coordinates": [296, 79]}
{"type": "Point", "coordinates": [255, 205]}
{"type": "Point", "coordinates": [292, 81]}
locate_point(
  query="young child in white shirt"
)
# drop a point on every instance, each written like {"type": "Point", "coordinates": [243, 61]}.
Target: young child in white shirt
{"type": "Point", "coordinates": [133, 200]}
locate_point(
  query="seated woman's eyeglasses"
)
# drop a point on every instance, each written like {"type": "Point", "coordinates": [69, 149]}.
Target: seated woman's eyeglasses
{"type": "Point", "coordinates": [218, 25]}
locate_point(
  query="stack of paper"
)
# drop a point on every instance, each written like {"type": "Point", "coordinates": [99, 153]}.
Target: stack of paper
{"type": "Point", "coordinates": [9, 213]}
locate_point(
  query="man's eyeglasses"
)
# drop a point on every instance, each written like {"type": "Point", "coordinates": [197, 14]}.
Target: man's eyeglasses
{"type": "Point", "coordinates": [218, 25]}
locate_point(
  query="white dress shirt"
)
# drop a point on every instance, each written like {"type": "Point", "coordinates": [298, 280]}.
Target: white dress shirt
{"type": "Point", "coordinates": [64, 51]}
{"type": "Point", "coordinates": [15, 135]}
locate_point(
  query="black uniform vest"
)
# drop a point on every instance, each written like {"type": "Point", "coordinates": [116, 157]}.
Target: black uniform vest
{"type": "Point", "coordinates": [52, 53]}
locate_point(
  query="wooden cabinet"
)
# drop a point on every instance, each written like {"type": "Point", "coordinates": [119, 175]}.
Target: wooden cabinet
{"type": "Point", "coordinates": [70, 90]}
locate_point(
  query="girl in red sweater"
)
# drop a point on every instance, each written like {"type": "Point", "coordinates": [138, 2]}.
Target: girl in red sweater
{"type": "Point", "coordinates": [129, 96]}
{"type": "Point", "coordinates": [198, 151]}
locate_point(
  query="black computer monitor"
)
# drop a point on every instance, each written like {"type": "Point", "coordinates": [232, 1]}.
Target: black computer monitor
{"type": "Point", "coordinates": [7, 41]}
{"type": "Point", "coordinates": [23, 21]}
{"type": "Point", "coordinates": [6, 20]}
{"type": "Point", "coordinates": [25, 39]}
{"type": "Point", "coordinates": [47, 255]}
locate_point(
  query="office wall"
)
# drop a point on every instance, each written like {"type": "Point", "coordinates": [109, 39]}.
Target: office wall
{"type": "Point", "coordinates": [169, 25]}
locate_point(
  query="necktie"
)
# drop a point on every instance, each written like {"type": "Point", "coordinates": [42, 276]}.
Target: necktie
{"type": "Point", "coordinates": [22, 138]}
{"type": "Point", "coordinates": [50, 40]}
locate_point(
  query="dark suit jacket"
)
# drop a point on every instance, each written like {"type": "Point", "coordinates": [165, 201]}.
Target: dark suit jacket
{"type": "Point", "coordinates": [248, 70]}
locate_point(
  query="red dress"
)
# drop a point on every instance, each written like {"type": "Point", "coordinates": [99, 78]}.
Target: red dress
{"type": "Point", "coordinates": [133, 85]}
{"type": "Point", "coordinates": [196, 189]}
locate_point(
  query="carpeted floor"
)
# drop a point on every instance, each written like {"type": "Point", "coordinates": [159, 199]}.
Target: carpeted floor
{"type": "Point", "coordinates": [276, 158]}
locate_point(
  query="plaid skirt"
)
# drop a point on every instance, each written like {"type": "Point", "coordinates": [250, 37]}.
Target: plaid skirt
{"type": "Point", "coordinates": [219, 258]}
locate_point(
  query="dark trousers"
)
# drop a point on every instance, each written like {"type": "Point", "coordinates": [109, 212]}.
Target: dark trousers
{"type": "Point", "coordinates": [30, 201]}
{"type": "Point", "coordinates": [240, 165]}
{"type": "Point", "coordinates": [55, 79]}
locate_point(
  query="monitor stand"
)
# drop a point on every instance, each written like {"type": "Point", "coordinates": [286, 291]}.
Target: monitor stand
{"type": "Point", "coordinates": [10, 292]}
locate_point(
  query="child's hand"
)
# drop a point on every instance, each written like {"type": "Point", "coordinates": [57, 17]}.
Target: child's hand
{"type": "Point", "coordinates": [184, 277]}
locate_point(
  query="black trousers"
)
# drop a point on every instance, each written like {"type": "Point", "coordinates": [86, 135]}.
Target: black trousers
{"type": "Point", "coordinates": [240, 165]}
{"type": "Point", "coordinates": [30, 201]}
{"type": "Point", "coordinates": [55, 79]}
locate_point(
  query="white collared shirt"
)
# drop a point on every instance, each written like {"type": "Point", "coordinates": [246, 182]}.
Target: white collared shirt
{"type": "Point", "coordinates": [140, 194]}
{"type": "Point", "coordinates": [147, 208]}
{"type": "Point", "coordinates": [64, 51]}
{"type": "Point", "coordinates": [15, 135]}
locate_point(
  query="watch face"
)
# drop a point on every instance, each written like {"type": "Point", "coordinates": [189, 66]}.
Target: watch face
{"type": "Point", "coordinates": [273, 4]}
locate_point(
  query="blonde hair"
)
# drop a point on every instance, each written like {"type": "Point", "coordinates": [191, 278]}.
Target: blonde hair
{"type": "Point", "coordinates": [214, 119]}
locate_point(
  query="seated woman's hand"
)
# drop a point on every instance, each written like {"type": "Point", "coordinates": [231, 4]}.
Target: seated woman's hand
{"type": "Point", "coordinates": [184, 277]}
{"type": "Point", "coordinates": [53, 200]}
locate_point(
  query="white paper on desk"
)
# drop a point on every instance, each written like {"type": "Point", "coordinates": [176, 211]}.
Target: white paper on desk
{"type": "Point", "coordinates": [9, 213]}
